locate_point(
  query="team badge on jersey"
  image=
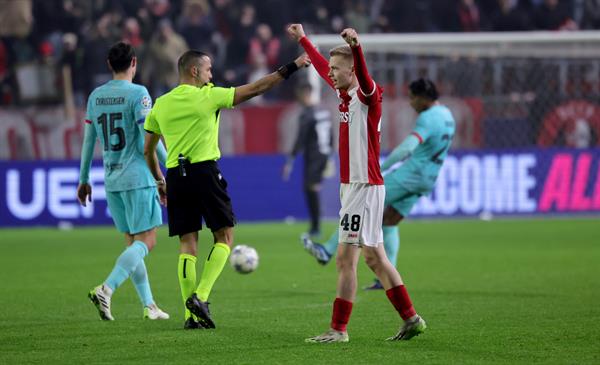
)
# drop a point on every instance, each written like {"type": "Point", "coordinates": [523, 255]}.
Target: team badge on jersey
{"type": "Point", "coordinates": [146, 105]}
{"type": "Point", "coordinates": [146, 102]}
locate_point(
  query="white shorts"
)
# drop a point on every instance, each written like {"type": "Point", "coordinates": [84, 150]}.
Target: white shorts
{"type": "Point", "coordinates": [361, 215]}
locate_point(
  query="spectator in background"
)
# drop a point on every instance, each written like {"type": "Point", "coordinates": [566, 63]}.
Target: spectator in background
{"type": "Point", "coordinates": [552, 15]}
{"type": "Point", "coordinates": [132, 33]}
{"type": "Point", "coordinates": [5, 87]}
{"type": "Point", "coordinates": [509, 17]}
{"type": "Point", "coordinates": [239, 45]}
{"type": "Point", "coordinates": [357, 15]}
{"type": "Point", "coordinates": [263, 44]}
{"type": "Point", "coordinates": [591, 14]}
{"type": "Point", "coordinates": [381, 25]}
{"type": "Point", "coordinates": [223, 17]}
{"type": "Point", "coordinates": [257, 70]}
{"type": "Point", "coordinates": [151, 13]}
{"type": "Point", "coordinates": [463, 76]}
{"type": "Point", "coordinates": [462, 16]}
{"type": "Point", "coordinates": [161, 63]}
{"type": "Point", "coordinates": [322, 21]}
{"type": "Point", "coordinates": [102, 38]}
{"type": "Point", "coordinates": [72, 57]}
{"type": "Point", "coordinates": [16, 20]}
{"type": "Point", "coordinates": [410, 16]}
{"type": "Point", "coordinates": [196, 25]}
{"type": "Point", "coordinates": [469, 16]}
{"type": "Point", "coordinates": [74, 14]}
{"type": "Point", "coordinates": [575, 123]}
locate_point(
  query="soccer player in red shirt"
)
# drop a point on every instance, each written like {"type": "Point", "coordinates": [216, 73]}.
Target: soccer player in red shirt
{"type": "Point", "coordinates": [362, 191]}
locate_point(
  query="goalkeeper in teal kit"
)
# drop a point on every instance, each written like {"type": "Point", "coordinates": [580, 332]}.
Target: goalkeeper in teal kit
{"type": "Point", "coordinates": [115, 115]}
{"type": "Point", "coordinates": [423, 153]}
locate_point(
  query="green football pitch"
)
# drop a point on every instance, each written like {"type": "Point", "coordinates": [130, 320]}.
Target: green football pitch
{"type": "Point", "coordinates": [499, 292]}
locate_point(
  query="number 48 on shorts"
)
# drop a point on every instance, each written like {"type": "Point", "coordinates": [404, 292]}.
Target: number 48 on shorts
{"type": "Point", "coordinates": [352, 224]}
{"type": "Point", "coordinates": [361, 214]}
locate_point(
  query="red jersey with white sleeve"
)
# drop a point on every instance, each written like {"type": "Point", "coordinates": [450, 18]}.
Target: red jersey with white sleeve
{"type": "Point", "coordinates": [360, 120]}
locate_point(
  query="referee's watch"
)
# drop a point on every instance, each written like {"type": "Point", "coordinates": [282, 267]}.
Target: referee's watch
{"type": "Point", "coordinates": [161, 182]}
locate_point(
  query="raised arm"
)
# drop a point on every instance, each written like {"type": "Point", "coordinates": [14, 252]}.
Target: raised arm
{"type": "Point", "coordinates": [248, 91]}
{"type": "Point", "coordinates": [321, 64]}
{"type": "Point", "coordinates": [366, 83]}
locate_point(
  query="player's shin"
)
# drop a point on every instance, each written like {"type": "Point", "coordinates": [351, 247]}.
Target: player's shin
{"type": "Point", "coordinates": [400, 299]}
{"type": "Point", "coordinates": [213, 266]}
{"type": "Point", "coordinates": [126, 264]}
{"type": "Point", "coordinates": [332, 243]}
{"type": "Point", "coordinates": [341, 314]}
{"type": "Point", "coordinates": [186, 272]}
{"type": "Point", "coordinates": [139, 277]}
{"type": "Point", "coordinates": [391, 242]}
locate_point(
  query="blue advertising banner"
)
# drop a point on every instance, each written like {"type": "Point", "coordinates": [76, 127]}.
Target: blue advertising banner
{"type": "Point", "coordinates": [519, 182]}
{"type": "Point", "coordinates": [471, 183]}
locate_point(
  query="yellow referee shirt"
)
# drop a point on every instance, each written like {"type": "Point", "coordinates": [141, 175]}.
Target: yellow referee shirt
{"type": "Point", "coordinates": [188, 119]}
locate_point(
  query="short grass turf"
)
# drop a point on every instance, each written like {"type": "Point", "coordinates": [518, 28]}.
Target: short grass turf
{"type": "Point", "coordinates": [500, 292]}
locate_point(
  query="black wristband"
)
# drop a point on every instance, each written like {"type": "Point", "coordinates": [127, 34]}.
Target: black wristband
{"type": "Point", "coordinates": [287, 70]}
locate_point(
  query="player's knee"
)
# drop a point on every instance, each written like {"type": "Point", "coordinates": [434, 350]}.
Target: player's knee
{"type": "Point", "coordinates": [344, 264]}
{"type": "Point", "coordinates": [224, 235]}
{"type": "Point", "coordinates": [391, 216]}
{"type": "Point", "coordinates": [188, 248]}
{"type": "Point", "coordinates": [150, 244]}
{"type": "Point", "coordinates": [372, 261]}
{"type": "Point", "coordinates": [189, 244]}
{"type": "Point", "coordinates": [147, 237]}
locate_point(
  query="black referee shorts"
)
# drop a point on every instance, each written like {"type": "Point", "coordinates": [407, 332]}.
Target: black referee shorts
{"type": "Point", "coordinates": [201, 194]}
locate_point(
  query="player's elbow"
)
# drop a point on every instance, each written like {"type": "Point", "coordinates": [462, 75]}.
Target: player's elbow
{"type": "Point", "coordinates": [149, 151]}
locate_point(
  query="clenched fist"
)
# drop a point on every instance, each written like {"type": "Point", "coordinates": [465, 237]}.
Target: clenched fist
{"type": "Point", "coordinates": [302, 61]}
{"type": "Point", "coordinates": [296, 31]}
{"type": "Point", "coordinates": [350, 36]}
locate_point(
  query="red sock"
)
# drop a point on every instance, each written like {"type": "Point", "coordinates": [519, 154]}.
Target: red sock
{"type": "Point", "coordinates": [341, 314]}
{"type": "Point", "coordinates": [401, 301]}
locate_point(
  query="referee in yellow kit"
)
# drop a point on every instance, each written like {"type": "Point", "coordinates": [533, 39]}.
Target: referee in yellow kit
{"type": "Point", "coordinates": [188, 119]}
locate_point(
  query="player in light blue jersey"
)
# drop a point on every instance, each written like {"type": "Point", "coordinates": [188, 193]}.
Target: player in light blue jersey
{"type": "Point", "coordinates": [423, 151]}
{"type": "Point", "coordinates": [115, 115]}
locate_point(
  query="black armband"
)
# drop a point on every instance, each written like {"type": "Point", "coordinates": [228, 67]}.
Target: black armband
{"type": "Point", "coordinates": [287, 70]}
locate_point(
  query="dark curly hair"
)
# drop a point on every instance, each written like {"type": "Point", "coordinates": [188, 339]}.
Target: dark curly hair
{"type": "Point", "coordinates": [425, 88]}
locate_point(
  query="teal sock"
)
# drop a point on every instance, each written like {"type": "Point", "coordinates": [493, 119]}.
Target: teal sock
{"type": "Point", "coordinates": [139, 277]}
{"type": "Point", "coordinates": [126, 264]}
{"type": "Point", "coordinates": [391, 243]}
{"type": "Point", "coordinates": [332, 243]}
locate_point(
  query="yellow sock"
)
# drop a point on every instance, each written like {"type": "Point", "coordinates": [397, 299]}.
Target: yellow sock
{"type": "Point", "coordinates": [186, 272]}
{"type": "Point", "coordinates": [217, 258]}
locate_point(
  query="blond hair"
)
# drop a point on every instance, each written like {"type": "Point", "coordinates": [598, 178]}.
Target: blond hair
{"type": "Point", "coordinates": [343, 51]}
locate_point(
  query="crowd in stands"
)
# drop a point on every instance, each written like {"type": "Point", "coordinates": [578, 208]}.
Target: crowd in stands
{"type": "Point", "coordinates": [245, 38]}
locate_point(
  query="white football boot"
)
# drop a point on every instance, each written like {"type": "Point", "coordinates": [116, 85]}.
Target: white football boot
{"type": "Point", "coordinates": [410, 328]}
{"type": "Point", "coordinates": [153, 312]}
{"type": "Point", "coordinates": [329, 336]}
{"type": "Point", "coordinates": [100, 297]}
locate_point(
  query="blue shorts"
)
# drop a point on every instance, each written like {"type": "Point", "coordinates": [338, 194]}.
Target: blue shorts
{"type": "Point", "coordinates": [135, 211]}
{"type": "Point", "coordinates": [399, 197]}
